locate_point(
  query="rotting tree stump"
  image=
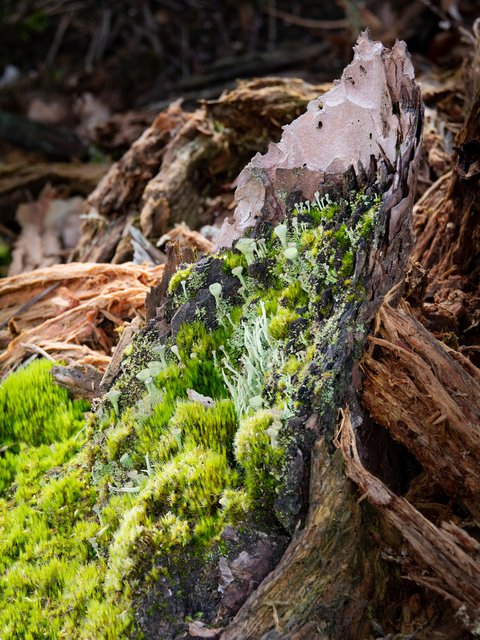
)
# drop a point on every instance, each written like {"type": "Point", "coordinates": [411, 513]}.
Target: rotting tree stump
{"type": "Point", "coordinates": [326, 582]}
{"type": "Point", "coordinates": [324, 585]}
{"type": "Point", "coordinates": [382, 402]}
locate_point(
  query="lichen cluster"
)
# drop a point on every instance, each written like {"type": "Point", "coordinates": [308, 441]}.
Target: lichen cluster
{"type": "Point", "coordinates": [201, 430]}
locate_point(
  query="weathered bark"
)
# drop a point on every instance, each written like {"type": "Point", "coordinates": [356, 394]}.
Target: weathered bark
{"type": "Point", "coordinates": [448, 238]}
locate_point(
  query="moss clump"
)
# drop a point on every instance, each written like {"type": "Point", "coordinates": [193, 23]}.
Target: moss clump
{"type": "Point", "coordinates": [294, 296]}
{"type": "Point", "coordinates": [213, 427]}
{"type": "Point", "coordinates": [233, 259]}
{"type": "Point", "coordinates": [49, 569]}
{"type": "Point", "coordinates": [178, 505]}
{"type": "Point", "coordinates": [348, 265]}
{"type": "Point", "coordinates": [280, 323]}
{"type": "Point", "coordinates": [259, 454]}
{"type": "Point", "coordinates": [34, 410]}
{"type": "Point", "coordinates": [178, 277]}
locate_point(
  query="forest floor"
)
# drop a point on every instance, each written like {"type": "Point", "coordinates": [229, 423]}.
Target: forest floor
{"type": "Point", "coordinates": [122, 132]}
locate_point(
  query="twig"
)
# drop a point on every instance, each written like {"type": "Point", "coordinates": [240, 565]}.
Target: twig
{"type": "Point", "coordinates": [307, 23]}
{"type": "Point", "coordinates": [36, 349]}
{"type": "Point", "coordinates": [57, 41]}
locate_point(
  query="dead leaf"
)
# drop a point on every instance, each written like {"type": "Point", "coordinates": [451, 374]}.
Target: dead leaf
{"type": "Point", "coordinates": [50, 229]}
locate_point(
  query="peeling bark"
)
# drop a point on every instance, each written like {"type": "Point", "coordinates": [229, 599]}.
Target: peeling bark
{"type": "Point", "coordinates": [371, 110]}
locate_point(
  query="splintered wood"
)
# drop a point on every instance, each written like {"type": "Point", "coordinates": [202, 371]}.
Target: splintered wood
{"type": "Point", "coordinates": [443, 555]}
{"type": "Point", "coordinates": [428, 397]}
{"type": "Point", "coordinates": [72, 312]}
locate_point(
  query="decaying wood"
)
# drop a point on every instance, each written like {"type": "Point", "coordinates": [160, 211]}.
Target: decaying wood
{"type": "Point", "coordinates": [183, 159]}
{"type": "Point", "coordinates": [317, 567]}
{"type": "Point", "coordinates": [183, 237]}
{"type": "Point", "coordinates": [428, 397]}
{"type": "Point", "coordinates": [121, 189]}
{"type": "Point", "coordinates": [83, 381]}
{"type": "Point", "coordinates": [323, 584]}
{"type": "Point", "coordinates": [450, 241]}
{"type": "Point", "coordinates": [445, 555]}
{"type": "Point", "coordinates": [125, 182]}
{"type": "Point", "coordinates": [115, 362]}
{"type": "Point", "coordinates": [75, 320]}
{"type": "Point", "coordinates": [446, 223]}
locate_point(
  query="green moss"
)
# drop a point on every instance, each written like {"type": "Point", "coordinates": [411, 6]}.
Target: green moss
{"type": "Point", "coordinates": [294, 295]}
{"type": "Point", "coordinates": [178, 277]}
{"type": "Point", "coordinates": [348, 265]}
{"type": "Point", "coordinates": [366, 222]}
{"type": "Point", "coordinates": [259, 455]}
{"type": "Point", "coordinates": [120, 438]}
{"type": "Point", "coordinates": [232, 259]}
{"type": "Point", "coordinates": [236, 504]}
{"type": "Point", "coordinates": [179, 504]}
{"type": "Point", "coordinates": [341, 236]}
{"type": "Point", "coordinates": [34, 410]}
{"type": "Point", "coordinates": [280, 323]}
{"type": "Point", "coordinates": [48, 565]}
{"type": "Point", "coordinates": [292, 365]}
{"type": "Point", "coordinates": [319, 211]}
{"type": "Point", "coordinates": [212, 427]}
{"type": "Point", "coordinates": [309, 238]}
{"type": "Point", "coordinates": [194, 341]}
